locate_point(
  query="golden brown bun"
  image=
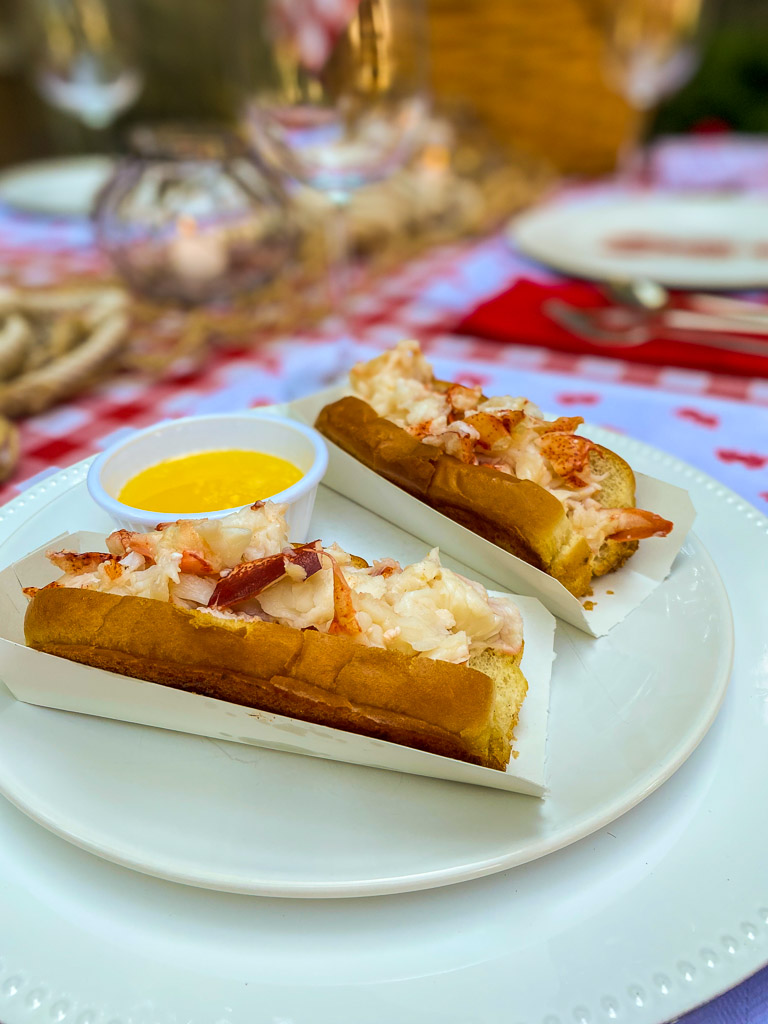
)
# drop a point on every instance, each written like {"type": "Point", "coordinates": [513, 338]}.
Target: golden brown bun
{"type": "Point", "coordinates": [511, 689]}
{"type": "Point", "coordinates": [518, 515]}
{"type": "Point", "coordinates": [453, 710]}
{"type": "Point", "coordinates": [616, 491]}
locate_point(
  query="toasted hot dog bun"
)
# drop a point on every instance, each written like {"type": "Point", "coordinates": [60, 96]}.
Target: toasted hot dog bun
{"type": "Point", "coordinates": [464, 712]}
{"type": "Point", "coordinates": [518, 515]}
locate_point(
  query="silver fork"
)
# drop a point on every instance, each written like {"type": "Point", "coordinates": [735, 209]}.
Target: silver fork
{"type": "Point", "coordinates": [621, 327]}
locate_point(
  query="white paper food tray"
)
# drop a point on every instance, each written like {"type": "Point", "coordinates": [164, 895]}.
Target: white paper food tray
{"type": "Point", "coordinates": [54, 682]}
{"type": "Point", "coordinates": [613, 596]}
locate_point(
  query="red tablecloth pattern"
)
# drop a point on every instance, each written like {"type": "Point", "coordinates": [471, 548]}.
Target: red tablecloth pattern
{"type": "Point", "coordinates": [719, 423]}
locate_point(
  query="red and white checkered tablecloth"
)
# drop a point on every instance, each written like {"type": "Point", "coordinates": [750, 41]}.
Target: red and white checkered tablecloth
{"type": "Point", "coordinates": [719, 424]}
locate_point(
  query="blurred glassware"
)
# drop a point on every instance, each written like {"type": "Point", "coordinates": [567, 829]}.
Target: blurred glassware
{"type": "Point", "coordinates": [336, 98]}
{"type": "Point", "coordinates": [190, 216]}
{"type": "Point", "coordinates": [651, 47]}
{"type": "Point", "coordinates": [86, 62]}
{"type": "Point", "coordinates": [460, 185]}
{"type": "Point", "coordinates": [340, 92]}
{"type": "Point", "coordinates": [651, 51]}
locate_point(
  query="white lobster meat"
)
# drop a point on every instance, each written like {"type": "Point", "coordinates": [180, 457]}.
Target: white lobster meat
{"type": "Point", "coordinates": [241, 566]}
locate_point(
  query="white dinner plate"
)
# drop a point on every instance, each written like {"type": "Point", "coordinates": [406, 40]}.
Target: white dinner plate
{"type": "Point", "coordinates": [682, 241]}
{"type": "Point", "coordinates": [65, 186]}
{"type": "Point", "coordinates": [232, 817]}
{"type": "Point", "coordinates": [645, 919]}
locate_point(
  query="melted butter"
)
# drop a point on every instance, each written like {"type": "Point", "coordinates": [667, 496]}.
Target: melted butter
{"type": "Point", "coordinates": [209, 481]}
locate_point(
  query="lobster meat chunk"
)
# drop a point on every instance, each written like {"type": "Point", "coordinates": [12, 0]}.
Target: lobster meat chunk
{"type": "Point", "coordinates": [494, 427]}
{"type": "Point", "coordinates": [563, 424]}
{"type": "Point", "coordinates": [74, 562]}
{"type": "Point", "coordinates": [568, 454]}
{"type": "Point", "coordinates": [461, 399]}
{"type": "Point", "coordinates": [344, 620]}
{"type": "Point", "coordinates": [249, 579]}
{"type": "Point", "coordinates": [637, 524]}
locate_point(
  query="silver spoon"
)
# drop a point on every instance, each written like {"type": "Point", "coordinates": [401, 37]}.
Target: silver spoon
{"type": "Point", "coordinates": [641, 293]}
{"type": "Point", "coordinates": [604, 327]}
{"type": "Point", "coordinates": [652, 297]}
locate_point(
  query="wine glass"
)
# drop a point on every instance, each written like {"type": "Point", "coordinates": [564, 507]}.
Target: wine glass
{"type": "Point", "coordinates": [86, 61]}
{"type": "Point", "coordinates": [336, 97]}
{"type": "Point", "coordinates": [651, 51]}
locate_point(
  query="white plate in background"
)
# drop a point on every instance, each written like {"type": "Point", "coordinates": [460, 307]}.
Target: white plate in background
{"type": "Point", "coordinates": [58, 187]}
{"type": "Point", "coordinates": [579, 236]}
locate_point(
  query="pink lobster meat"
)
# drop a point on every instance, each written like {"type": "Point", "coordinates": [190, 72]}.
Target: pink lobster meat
{"type": "Point", "coordinates": [74, 562]}
{"type": "Point", "coordinates": [249, 579]}
{"type": "Point", "coordinates": [568, 455]}
{"type": "Point", "coordinates": [638, 524]}
{"type": "Point", "coordinates": [344, 620]}
{"type": "Point", "coordinates": [193, 560]}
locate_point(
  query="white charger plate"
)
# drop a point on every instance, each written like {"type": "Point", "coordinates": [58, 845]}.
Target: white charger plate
{"type": "Point", "coordinates": [574, 236]}
{"type": "Point", "coordinates": [647, 918]}
{"type": "Point", "coordinates": [233, 817]}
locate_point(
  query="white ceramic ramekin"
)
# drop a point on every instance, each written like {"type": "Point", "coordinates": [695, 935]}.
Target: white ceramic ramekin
{"type": "Point", "coordinates": [275, 435]}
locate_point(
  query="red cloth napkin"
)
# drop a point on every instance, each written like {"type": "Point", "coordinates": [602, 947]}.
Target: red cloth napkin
{"type": "Point", "coordinates": [516, 316]}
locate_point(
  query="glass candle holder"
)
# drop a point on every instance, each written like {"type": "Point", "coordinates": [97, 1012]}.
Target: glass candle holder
{"type": "Point", "coordinates": [191, 217]}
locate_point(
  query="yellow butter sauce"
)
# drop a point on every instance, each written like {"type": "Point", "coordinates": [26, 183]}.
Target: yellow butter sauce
{"type": "Point", "coordinates": [209, 481]}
